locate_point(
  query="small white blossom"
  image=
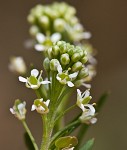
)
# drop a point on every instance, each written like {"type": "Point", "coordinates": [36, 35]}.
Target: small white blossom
{"type": "Point", "coordinates": [41, 106]}
{"type": "Point", "coordinates": [65, 77]}
{"type": "Point", "coordinates": [83, 99]}
{"type": "Point", "coordinates": [34, 81]}
{"type": "Point", "coordinates": [17, 65]}
{"type": "Point", "coordinates": [44, 42]}
{"type": "Point", "coordinates": [19, 109]}
{"type": "Point", "coordinates": [88, 114]}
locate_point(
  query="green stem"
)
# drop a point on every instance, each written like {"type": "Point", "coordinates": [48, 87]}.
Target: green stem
{"type": "Point", "coordinates": [30, 134]}
{"type": "Point", "coordinates": [47, 131]}
{"type": "Point", "coordinates": [63, 113]}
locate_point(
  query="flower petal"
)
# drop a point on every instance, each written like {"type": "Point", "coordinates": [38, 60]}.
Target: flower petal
{"type": "Point", "coordinates": [12, 111]}
{"type": "Point", "coordinates": [73, 75]}
{"type": "Point", "coordinates": [92, 109]}
{"type": "Point", "coordinates": [86, 35]}
{"type": "Point", "coordinates": [22, 79]}
{"type": "Point", "coordinates": [45, 82]}
{"type": "Point", "coordinates": [79, 93]}
{"type": "Point", "coordinates": [34, 72]}
{"type": "Point", "coordinates": [39, 47]}
{"type": "Point", "coordinates": [93, 120]}
{"type": "Point", "coordinates": [40, 37]}
{"type": "Point", "coordinates": [88, 86]}
{"type": "Point", "coordinates": [70, 84]}
{"type": "Point", "coordinates": [55, 37]}
{"type": "Point", "coordinates": [47, 102]}
{"type": "Point", "coordinates": [33, 107]}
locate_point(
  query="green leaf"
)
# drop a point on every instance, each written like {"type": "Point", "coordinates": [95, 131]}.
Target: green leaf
{"type": "Point", "coordinates": [88, 145]}
{"type": "Point", "coordinates": [102, 101]}
{"type": "Point", "coordinates": [67, 141]}
{"type": "Point", "coordinates": [28, 142]}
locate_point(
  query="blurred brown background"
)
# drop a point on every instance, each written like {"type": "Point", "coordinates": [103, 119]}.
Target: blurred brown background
{"type": "Point", "coordinates": [106, 19]}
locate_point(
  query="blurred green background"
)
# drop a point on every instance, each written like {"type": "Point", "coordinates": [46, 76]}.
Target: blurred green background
{"type": "Point", "coordinates": [107, 21]}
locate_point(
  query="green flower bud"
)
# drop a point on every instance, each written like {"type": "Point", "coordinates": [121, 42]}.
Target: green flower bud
{"type": "Point", "coordinates": [83, 73]}
{"type": "Point", "coordinates": [44, 21]}
{"type": "Point", "coordinates": [75, 57]}
{"type": "Point", "coordinates": [49, 53]}
{"type": "Point", "coordinates": [74, 20]}
{"type": "Point", "coordinates": [55, 50]}
{"type": "Point", "coordinates": [63, 48]}
{"type": "Point", "coordinates": [71, 51]}
{"type": "Point", "coordinates": [31, 19]}
{"type": "Point", "coordinates": [46, 64]}
{"type": "Point", "coordinates": [54, 64]}
{"type": "Point", "coordinates": [64, 59]}
{"type": "Point", "coordinates": [59, 25]}
{"type": "Point", "coordinates": [77, 66]}
{"type": "Point", "coordinates": [59, 43]}
{"type": "Point", "coordinates": [84, 59]}
{"type": "Point", "coordinates": [34, 30]}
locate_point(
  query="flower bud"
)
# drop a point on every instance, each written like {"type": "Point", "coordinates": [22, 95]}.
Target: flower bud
{"type": "Point", "coordinates": [64, 59]}
{"type": "Point", "coordinates": [84, 59]}
{"type": "Point", "coordinates": [77, 66]}
{"type": "Point", "coordinates": [63, 48]}
{"type": "Point", "coordinates": [34, 30]}
{"type": "Point", "coordinates": [19, 109]}
{"type": "Point", "coordinates": [75, 57]}
{"type": "Point", "coordinates": [49, 53]}
{"type": "Point", "coordinates": [44, 21]}
{"type": "Point", "coordinates": [46, 64]}
{"type": "Point", "coordinates": [59, 25]}
{"type": "Point", "coordinates": [31, 19]}
{"type": "Point", "coordinates": [83, 73]}
{"type": "Point", "coordinates": [17, 65]}
{"type": "Point", "coordinates": [59, 43]}
{"type": "Point", "coordinates": [55, 50]}
{"type": "Point", "coordinates": [54, 64]}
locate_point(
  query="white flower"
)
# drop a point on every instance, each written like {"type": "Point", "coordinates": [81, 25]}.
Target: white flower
{"type": "Point", "coordinates": [41, 106]}
{"type": "Point", "coordinates": [46, 41]}
{"type": "Point", "coordinates": [83, 99]}
{"type": "Point", "coordinates": [19, 109]}
{"type": "Point", "coordinates": [17, 65]}
{"type": "Point", "coordinates": [34, 81]}
{"type": "Point", "coordinates": [65, 78]}
{"type": "Point", "coordinates": [88, 114]}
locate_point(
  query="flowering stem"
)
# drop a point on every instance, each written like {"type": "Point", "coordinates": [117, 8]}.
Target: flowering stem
{"type": "Point", "coordinates": [30, 134]}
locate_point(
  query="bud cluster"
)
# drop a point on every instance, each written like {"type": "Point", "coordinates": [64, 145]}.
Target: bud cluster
{"type": "Point", "coordinates": [57, 17]}
{"type": "Point", "coordinates": [67, 58]}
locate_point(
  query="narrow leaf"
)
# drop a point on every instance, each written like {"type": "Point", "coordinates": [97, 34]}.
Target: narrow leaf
{"type": "Point", "coordinates": [88, 145]}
